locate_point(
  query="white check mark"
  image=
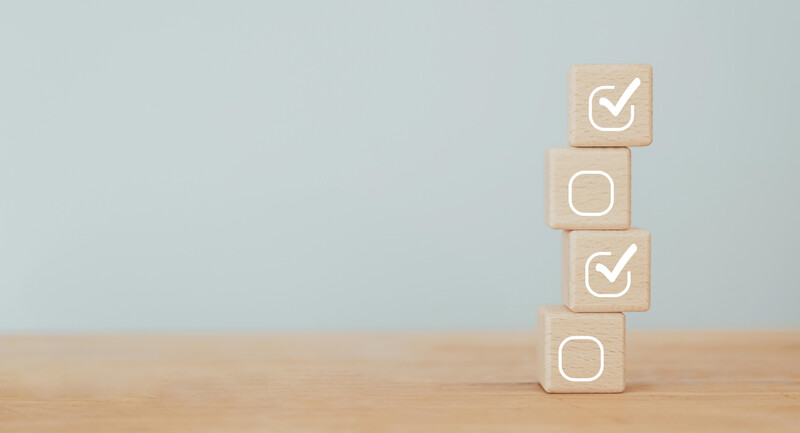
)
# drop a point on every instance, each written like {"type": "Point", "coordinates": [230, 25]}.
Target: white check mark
{"type": "Point", "coordinates": [626, 95]}
{"type": "Point", "coordinates": [612, 275]}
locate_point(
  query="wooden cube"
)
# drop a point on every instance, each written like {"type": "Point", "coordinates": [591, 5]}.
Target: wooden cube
{"type": "Point", "coordinates": [606, 270]}
{"type": "Point", "coordinates": [580, 352]}
{"type": "Point", "coordinates": [610, 105]}
{"type": "Point", "coordinates": [588, 188]}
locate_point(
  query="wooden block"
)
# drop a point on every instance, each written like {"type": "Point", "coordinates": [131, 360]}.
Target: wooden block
{"type": "Point", "coordinates": [610, 105]}
{"type": "Point", "coordinates": [580, 352]}
{"type": "Point", "coordinates": [606, 270]}
{"type": "Point", "coordinates": [588, 188]}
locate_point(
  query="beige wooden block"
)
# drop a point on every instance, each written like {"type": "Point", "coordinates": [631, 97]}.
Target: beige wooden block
{"type": "Point", "coordinates": [580, 352]}
{"type": "Point", "coordinates": [610, 105]}
{"type": "Point", "coordinates": [606, 270]}
{"type": "Point", "coordinates": [588, 188]}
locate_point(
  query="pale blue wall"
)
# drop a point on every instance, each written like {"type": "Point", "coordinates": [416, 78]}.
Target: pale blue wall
{"type": "Point", "coordinates": [314, 165]}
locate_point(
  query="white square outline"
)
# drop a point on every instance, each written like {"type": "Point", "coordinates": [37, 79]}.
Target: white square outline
{"type": "Point", "coordinates": [569, 192]}
{"type": "Point", "coordinates": [561, 358]}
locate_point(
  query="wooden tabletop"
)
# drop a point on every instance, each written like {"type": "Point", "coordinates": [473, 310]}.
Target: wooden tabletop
{"type": "Point", "coordinates": [401, 382]}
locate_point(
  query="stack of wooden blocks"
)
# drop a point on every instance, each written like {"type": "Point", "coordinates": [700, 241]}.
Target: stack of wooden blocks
{"type": "Point", "coordinates": [606, 263]}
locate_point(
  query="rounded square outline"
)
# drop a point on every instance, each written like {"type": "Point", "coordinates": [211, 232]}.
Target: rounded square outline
{"type": "Point", "coordinates": [561, 358]}
{"type": "Point", "coordinates": [585, 172]}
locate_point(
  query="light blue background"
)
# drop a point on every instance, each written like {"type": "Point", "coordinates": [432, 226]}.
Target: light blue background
{"type": "Point", "coordinates": [365, 165]}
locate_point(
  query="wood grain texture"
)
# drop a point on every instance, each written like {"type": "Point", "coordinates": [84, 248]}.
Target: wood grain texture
{"type": "Point", "coordinates": [470, 382]}
{"type": "Point", "coordinates": [594, 203]}
{"type": "Point", "coordinates": [636, 113]}
{"type": "Point", "coordinates": [570, 361]}
{"type": "Point", "coordinates": [579, 246]}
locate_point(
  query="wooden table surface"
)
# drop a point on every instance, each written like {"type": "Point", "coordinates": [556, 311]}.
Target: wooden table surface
{"type": "Point", "coordinates": [398, 382]}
